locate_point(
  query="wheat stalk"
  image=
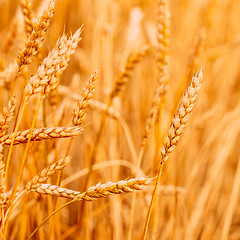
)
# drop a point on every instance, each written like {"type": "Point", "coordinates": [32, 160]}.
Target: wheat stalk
{"type": "Point", "coordinates": [42, 134]}
{"type": "Point", "coordinates": [168, 190]}
{"type": "Point", "coordinates": [154, 109]}
{"type": "Point", "coordinates": [3, 188]}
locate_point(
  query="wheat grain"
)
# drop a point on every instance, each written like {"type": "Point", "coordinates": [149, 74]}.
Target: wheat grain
{"type": "Point", "coordinates": [42, 134]}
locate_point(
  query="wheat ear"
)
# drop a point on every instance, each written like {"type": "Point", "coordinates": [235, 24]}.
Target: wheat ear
{"type": "Point", "coordinates": [87, 94]}
{"type": "Point", "coordinates": [98, 191]}
{"type": "Point", "coordinates": [46, 173]}
{"type": "Point", "coordinates": [180, 119]}
{"type": "Point", "coordinates": [7, 116]}
{"type": "Point", "coordinates": [7, 75]}
{"type": "Point", "coordinates": [175, 131]}
{"type": "Point", "coordinates": [27, 13]}
{"type": "Point", "coordinates": [163, 31]}
{"type": "Point", "coordinates": [26, 55]}
{"type": "Point", "coordinates": [93, 104]}
{"type": "Point", "coordinates": [42, 134]}
{"type": "Point", "coordinates": [124, 75]}
{"type": "Point", "coordinates": [52, 67]}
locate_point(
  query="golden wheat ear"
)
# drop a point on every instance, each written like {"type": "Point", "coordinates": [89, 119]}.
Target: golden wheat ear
{"type": "Point", "coordinates": [46, 173]}
{"type": "Point", "coordinates": [39, 134]}
{"type": "Point", "coordinates": [26, 7]}
{"type": "Point", "coordinates": [125, 74]}
{"type": "Point", "coordinates": [163, 32]}
{"type": "Point", "coordinates": [53, 66]}
{"type": "Point", "coordinates": [87, 94]}
{"type": "Point", "coordinates": [180, 119]}
{"type": "Point", "coordinates": [7, 116]}
{"type": "Point", "coordinates": [35, 39]}
{"type": "Point", "coordinates": [95, 192]}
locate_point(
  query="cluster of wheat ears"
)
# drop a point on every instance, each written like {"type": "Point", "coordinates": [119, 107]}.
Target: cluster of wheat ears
{"type": "Point", "coordinates": [39, 98]}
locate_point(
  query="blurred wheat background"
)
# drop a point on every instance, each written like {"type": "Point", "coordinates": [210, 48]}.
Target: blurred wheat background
{"type": "Point", "coordinates": [132, 44]}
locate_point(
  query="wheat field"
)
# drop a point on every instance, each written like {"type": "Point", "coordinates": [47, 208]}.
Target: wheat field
{"type": "Point", "coordinates": [119, 119]}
